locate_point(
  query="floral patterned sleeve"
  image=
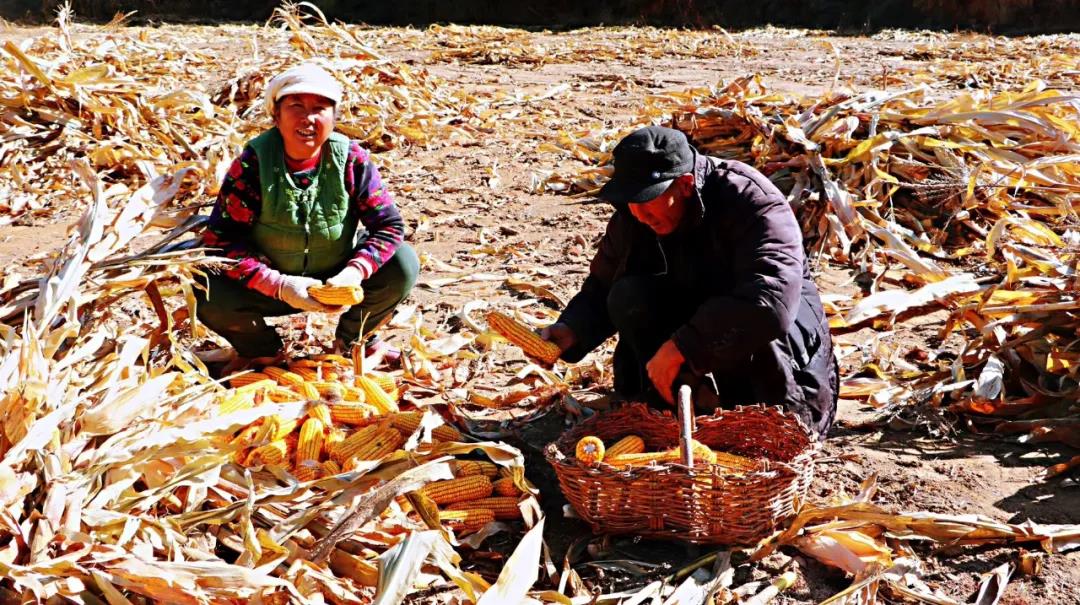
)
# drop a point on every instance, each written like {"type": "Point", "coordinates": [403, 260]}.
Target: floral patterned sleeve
{"type": "Point", "coordinates": [238, 204]}
{"type": "Point", "coordinates": [379, 215]}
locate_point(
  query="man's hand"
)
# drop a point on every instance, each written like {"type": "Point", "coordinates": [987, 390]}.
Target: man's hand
{"type": "Point", "coordinates": [349, 276]}
{"type": "Point", "coordinates": [560, 334]}
{"type": "Point", "coordinates": [664, 367]}
{"type": "Point", "coordinates": [294, 292]}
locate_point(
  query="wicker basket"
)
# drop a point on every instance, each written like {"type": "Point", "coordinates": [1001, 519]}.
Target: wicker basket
{"type": "Point", "coordinates": [703, 504]}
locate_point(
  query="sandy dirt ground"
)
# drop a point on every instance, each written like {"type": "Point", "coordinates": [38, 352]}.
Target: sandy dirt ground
{"type": "Point", "coordinates": [475, 207]}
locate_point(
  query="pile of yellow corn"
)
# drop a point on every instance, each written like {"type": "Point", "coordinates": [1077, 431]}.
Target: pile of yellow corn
{"type": "Point", "coordinates": [479, 493]}
{"type": "Point", "coordinates": [630, 451]}
{"type": "Point", "coordinates": [345, 422]}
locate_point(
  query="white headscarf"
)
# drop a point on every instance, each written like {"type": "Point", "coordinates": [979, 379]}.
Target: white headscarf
{"type": "Point", "coordinates": [303, 78]}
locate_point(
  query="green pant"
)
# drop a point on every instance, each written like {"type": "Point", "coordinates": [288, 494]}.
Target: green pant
{"type": "Point", "coordinates": [238, 313]}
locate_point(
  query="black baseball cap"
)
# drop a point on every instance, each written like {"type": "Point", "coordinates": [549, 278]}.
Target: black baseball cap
{"type": "Point", "coordinates": [646, 163]}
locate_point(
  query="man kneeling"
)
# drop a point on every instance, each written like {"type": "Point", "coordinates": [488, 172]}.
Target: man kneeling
{"type": "Point", "coordinates": [702, 274]}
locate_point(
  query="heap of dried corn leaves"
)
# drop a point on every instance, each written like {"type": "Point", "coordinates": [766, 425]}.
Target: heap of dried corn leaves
{"type": "Point", "coordinates": [968, 201]}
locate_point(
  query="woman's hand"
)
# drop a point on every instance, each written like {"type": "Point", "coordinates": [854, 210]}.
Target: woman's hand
{"type": "Point", "coordinates": [294, 292]}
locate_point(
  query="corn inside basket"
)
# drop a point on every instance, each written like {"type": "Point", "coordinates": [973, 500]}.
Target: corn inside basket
{"type": "Point", "coordinates": [702, 503]}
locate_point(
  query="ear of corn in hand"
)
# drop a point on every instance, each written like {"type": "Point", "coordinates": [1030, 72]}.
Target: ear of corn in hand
{"type": "Point", "coordinates": [520, 335]}
{"type": "Point", "coordinates": [337, 295]}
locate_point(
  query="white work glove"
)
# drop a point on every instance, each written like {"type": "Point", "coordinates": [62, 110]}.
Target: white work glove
{"type": "Point", "coordinates": [294, 292]}
{"type": "Point", "coordinates": [349, 276]}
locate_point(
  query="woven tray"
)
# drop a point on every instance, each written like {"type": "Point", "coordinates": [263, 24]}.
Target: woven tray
{"type": "Point", "coordinates": [705, 504]}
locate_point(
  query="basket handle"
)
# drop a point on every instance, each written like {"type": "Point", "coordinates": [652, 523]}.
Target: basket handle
{"type": "Point", "coordinates": [686, 425]}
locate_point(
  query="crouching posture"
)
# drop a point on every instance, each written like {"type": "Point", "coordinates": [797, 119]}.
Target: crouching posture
{"type": "Point", "coordinates": [702, 274]}
{"type": "Point", "coordinates": [304, 206]}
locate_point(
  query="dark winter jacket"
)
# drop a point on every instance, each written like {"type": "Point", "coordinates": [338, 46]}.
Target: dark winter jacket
{"type": "Point", "coordinates": [759, 327]}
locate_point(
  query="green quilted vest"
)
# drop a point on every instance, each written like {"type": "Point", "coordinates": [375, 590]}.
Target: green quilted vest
{"type": "Point", "coordinates": [304, 231]}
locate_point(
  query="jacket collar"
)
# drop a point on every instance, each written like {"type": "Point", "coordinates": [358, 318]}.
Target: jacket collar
{"type": "Point", "coordinates": [695, 206]}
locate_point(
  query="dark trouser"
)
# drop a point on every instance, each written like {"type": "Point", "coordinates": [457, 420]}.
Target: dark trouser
{"type": "Point", "coordinates": [238, 313]}
{"type": "Point", "coordinates": [646, 311]}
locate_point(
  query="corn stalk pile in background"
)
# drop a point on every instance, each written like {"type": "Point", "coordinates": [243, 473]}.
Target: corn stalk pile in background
{"type": "Point", "coordinates": [969, 201]}
{"type": "Point", "coordinates": [140, 105]}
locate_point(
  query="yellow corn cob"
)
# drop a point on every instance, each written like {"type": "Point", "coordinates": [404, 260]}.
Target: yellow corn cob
{"type": "Point", "coordinates": [630, 444]}
{"type": "Point", "coordinates": [523, 337]}
{"type": "Point", "coordinates": [375, 396]}
{"type": "Point", "coordinates": [356, 414]}
{"type": "Point", "coordinates": [331, 391]}
{"type": "Point", "coordinates": [468, 519]}
{"type": "Point", "coordinates": [236, 402]}
{"type": "Point", "coordinates": [330, 468]}
{"type": "Point", "coordinates": [408, 422]}
{"type": "Point", "coordinates": [464, 468]}
{"type": "Point", "coordinates": [275, 427]}
{"type": "Point", "coordinates": [589, 450]}
{"type": "Point", "coordinates": [310, 444]}
{"type": "Point", "coordinates": [355, 442]}
{"type": "Point", "coordinates": [279, 394]}
{"type": "Point", "coordinates": [381, 445]}
{"type": "Point", "coordinates": [307, 471]}
{"type": "Point", "coordinates": [333, 438]}
{"type": "Point", "coordinates": [354, 394]}
{"type": "Point", "coordinates": [734, 461]}
{"type": "Point", "coordinates": [308, 374]}
{"type": "Point", "coordinates": [317, 370]}
{"type": "Point", "coordinates": [457, 490]}
{"type": "Point", "coordinates": [322, 412]}
{"type": "Point", "coordinates": [702, 454]}
{"type": "Point", "coordinates": [386, 382]}
{"type": "Point", "coordinates": [246, 379]}
{"type": "Point", "coordinates": [284, 377]}
{"type": "Point", "coordinates": [337, 295]}
{"type": "Point", "coordinates": [505, 487]}
{"type": "Point", "coordinates": [272, 453]}
{"type": "Point", "coordinates": [309, 391]}
{"type": "Point", "coordinates": [503, 507]}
